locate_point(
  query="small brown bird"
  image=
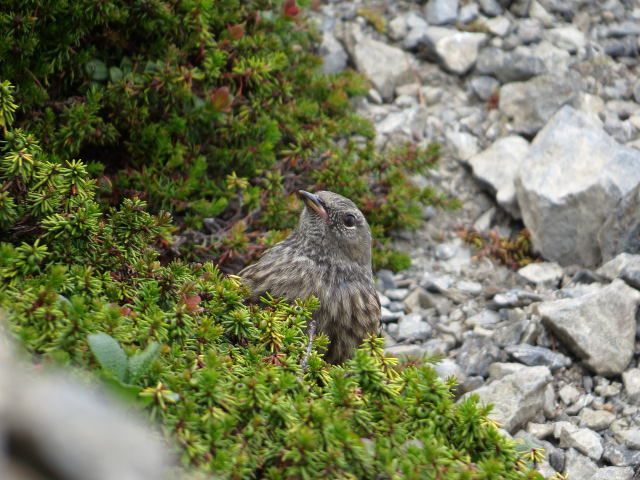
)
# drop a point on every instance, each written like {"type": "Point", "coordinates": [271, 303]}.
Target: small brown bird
{"type": "Point", "coordinates": [328, 256]}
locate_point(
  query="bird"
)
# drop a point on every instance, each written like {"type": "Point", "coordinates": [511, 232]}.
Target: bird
{"type": "Point", "coordinates": [328, 256]}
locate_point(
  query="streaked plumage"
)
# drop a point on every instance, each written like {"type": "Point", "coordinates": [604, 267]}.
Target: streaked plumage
{"type": "Point", "coordinates": [328, 256]}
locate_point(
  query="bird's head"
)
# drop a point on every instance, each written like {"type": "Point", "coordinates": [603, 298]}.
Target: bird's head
{"type": "Point", "coordinates": [335, 224]}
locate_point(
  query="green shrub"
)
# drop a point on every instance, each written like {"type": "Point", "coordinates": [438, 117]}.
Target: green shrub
{"type": "Point", "coordinates": [208, 109]}
{"type": "Point", "coordinates": [83, 285]}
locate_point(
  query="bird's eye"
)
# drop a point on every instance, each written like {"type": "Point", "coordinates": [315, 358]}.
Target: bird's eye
{"type": "Point", "coordinates": [349, 220]}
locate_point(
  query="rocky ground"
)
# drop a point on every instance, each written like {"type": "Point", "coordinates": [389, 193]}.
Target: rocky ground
{"type": "Point", "coordinates": [536, 106]}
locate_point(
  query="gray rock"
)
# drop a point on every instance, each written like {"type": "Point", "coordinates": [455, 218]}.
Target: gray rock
{"type": "Point", "coordinates": [386, 66]}
{"type": "Point", "coordinates": [397, 294]}
{"type": "Point", "coordinates": [69, 431]}
{"type": "Point", "coordinates": [532, 103]}
{"type": "Point", "coordinates": [418, 300]}
{"type": "Point", "coordinates": [583, 440]}
{"type": "Point", "coordinates": [620, 455]}
{"type": "Point", "coordinates": [529, 30]}
{"type": "Point", "coordinates": [621, 230]}
{"type": "Point", "coordinates": [498, 26]}
{"type": "Point", "coordinates": [510, 333]}
{"type": "Point", "coordinates": [389, 316]}
{"type": "Point", "coordinates": [413, 327]}
{"type": "Point", "coordinates": [598, 327]}
{"type": "Point", "coordinates": [385, 280]}
{"type": "Point", "coordinates": [497, 168]}
{"type": "Point", "coordinates": [542, 273]}
{"type": "Point", "coordinates": [483, 318]}
{"type": "Point", "coordinates": [613, 473]}
{"type": "Point", "coordinates": [596, 419]}
{"type": "Point", "coordinates": [535, 356]}
{"type": "Point", "coordinates": [569, 394]}
{"type": "Point", "coordinates": [472, 288]}
{"type": "Point", "coordinates": [614, 267]}
{"type": "Point", "coordinates": [441, 12]}
{"type": "Point", "coordinates": [631, 379]}
{"type": "Point", "coordinates": [458, 52]}
{"type": "Point", "coordinates": [437, 283]}
{"type": "Point", "coordinates": [334, 57]}
{"type": "Point", "coordinates": [468, 13]}
{"type": "Point", "coordinates": [572, 177]}
{"type": "Point", "coordinates": [477, 354]}
{"type": "Point", "coordinates": [484, 86]}
{"type": "Point", "coordinates": [490, 7]}
{"type": "Point", "coordinates": [517, 397]}
{"type": "Point", "coordinates": [416, 31]}
{"type": "Point", "coordinates": [568, 38]}
{"type": "Point", "coordinates": [405, 352]}
{"type": "Point", "coordinates": [464, 145]}
{"type": "Point", "coordinates": [509, 66]}
{"type": "Point", "coordinates": [397, 28]}
{"type": "Point", "coordinates": [630, 437]}
{"type": "Point", "coordinates": [577, 465]}
{"type": "Point", "coordinates": [540, 430]}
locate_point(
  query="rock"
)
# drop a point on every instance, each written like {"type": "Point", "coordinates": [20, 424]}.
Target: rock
{"type": "Point", "coordinates": [569, 394]}
{"type": "Point", "coordinates": [621, 230]}
{"type": "Point", "coordinates": [334, 57]}
{"type": "Point", "coordinates": [540, 430]}
{"type": "Point", "coordinates": [578, 466]}
{"type": "Point", "coordinates": [497, 168]}
{"type": "Point", "coordinates": [417, 300]}
{"type": "Point", "coordinates": [441, 12]}
{"type": "Point", "coordinates": [464, 145]}
{"type": "Point", "coordinates": [405, 352]}
{"type": "Point", "coordinates": [529, 30]}
{"type": "Point", "coordinates": [490, 7]}
{"type": "Point", "coordinates": [477, 354]}
{"type": "Point", "coordinates": [620, 455]}
{"type": "Point", "coordinates": [468, 13]}
{"type": "Point", "coordinates": [509, 66]}
{"type": "Point", "coordinates": [413, 327]}
{"type": "Point", "coordinates": [532, 103]}
{"type": "Point", "coordinates": [484, 86]}
{"type": "Point", "coordinates": [568, 38]}
{"type": "Point", "coordinates": [397, 294]}
{"type": "Point", "coordinates": [613, 473]}
{"type": "Point", "coordinates": [601, 323]}
{"type": "Point", "coordinates": [583, 440]}
{"type": "Point", "coordinates": [386, 66]}
{"type": "Point", "coordinates": [416, 31]}
{"type": "Point", "coordinates": [598, 327]}
{"type": "Point", "coordinates": [534, 356]}
{"type": "Point", "coordinates": [631, 379]}
{"type": "Point", "coordinates": [510, 333]}
{"type": "Point", "coordinates": [437, 283]}
{"type": "Point", "coordinates": [614, 267]}
{"type": "Point", "coordinates": [458, 52]}
{"type": "Point", "coordinates": [472, 288]}
{"type": "Point", "coordinates": [630, 437]}
{"type": "Point", "coordinates": [498, 26]}
{"type": "Point", "coordinates": [65, 429]}
{"type": "Point", "coordinates": [572, 177]}
{"type": "Point", "coordinates": [596, 419]}
{"type": "Point", "coordinates": [517, 397]}
{"type": "Point", "coordinates": [542, 273]}
{"type": "Point", "coordinates": [483, 318]}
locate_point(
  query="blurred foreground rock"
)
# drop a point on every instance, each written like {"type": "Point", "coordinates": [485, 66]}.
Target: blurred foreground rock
{"type": "Point", "coordinates": [53, 427]}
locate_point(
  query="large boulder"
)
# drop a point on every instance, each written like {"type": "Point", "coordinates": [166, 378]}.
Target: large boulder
{"type": "Point", "coordinates": [598, 327]}
{"type": "Point", "coordinates": [570, 181]}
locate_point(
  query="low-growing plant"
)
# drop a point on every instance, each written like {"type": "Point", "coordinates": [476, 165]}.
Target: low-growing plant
{"type": "Point", "coordinates": [512, 252]}
{"type": "Point", "coordinates": [212, 110]}
{"type": "Point", "coordinates": [84, 285]}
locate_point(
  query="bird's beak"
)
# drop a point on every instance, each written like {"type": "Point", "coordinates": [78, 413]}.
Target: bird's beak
{"type": "Point", "coordinates": [313, 202]}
